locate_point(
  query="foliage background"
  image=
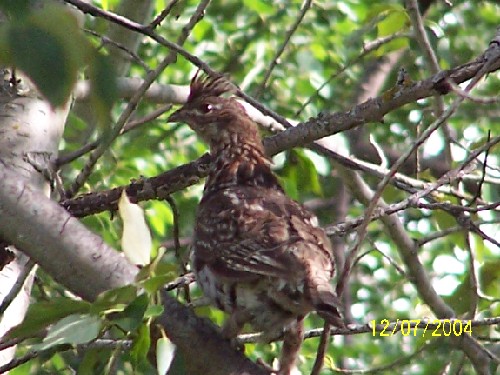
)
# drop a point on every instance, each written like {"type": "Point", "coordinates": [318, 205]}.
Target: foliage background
{"type": "Point", "coordinates": [241, 38]}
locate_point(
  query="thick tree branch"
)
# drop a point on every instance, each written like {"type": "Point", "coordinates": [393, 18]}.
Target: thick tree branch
{"type": "Point", "coordinates": [157, 187]}
{"type": "Point", "coordinates": [58, 242]}
{"type": "Point", "coordinates": [324, 125]}
{"type": "Point", "coordinates": [201, 339]}
{"type": "Point", "coordinates": [374, 110]}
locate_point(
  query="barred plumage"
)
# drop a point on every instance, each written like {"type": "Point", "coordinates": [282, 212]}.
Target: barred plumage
{"type": "Point", "coordinates": [257, 254]}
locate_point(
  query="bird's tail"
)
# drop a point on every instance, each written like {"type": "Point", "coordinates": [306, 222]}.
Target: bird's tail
{"type": "Point", "coordinates": [327, 304]}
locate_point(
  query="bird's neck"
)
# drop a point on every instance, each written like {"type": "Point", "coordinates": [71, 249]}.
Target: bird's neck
{"type": "Point", "coordinates": [240, 162]}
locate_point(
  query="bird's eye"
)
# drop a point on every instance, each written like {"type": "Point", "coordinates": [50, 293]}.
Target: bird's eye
{"type": "Point", "coordinates": [207, 107]}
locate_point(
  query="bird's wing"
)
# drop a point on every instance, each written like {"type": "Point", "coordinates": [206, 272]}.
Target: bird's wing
{"type": "Point", "coordinates": [244, 234]}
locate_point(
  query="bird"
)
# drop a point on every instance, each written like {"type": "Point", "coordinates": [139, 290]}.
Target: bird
{"type": "Point", "coordinates": [256, 253]}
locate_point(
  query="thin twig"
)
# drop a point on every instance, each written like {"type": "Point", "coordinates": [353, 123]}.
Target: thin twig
{"type": "Point", "coordinates": [483, 174]}
{"type": "Point", "coordinates": [432, 62]}
{"type": "Point", "coordinates": [25, 358]}
{"type": "Point", "coordinates": [181, 281]}
{"type": "Point", "coordinates": [177, 243]}
{"type": "Point", "coordinates": [392, 328]}
{"type": "Point", "coordinates": [4, 344]}
{"type": "Point", "coordinates": [306, 5]}
{"type": "Point", "coordinates": [322, 348]}
{"type": "Point", "coordinates": [421, 35]}
{"type": "Point", "coordinates": [136, 98]}
{"type": "Point", "coordinates": [47, 353]}
{"type": "Point", "coordinates": [71, 156]}
{"type": "Point", "coordinates": [164, 13]}
{"type": "Point", "coordinates": [367, 48]}
{"type": "Point", "coordinates": [153, 115]}
{"type": "Point", "coordinates": [381, 186]}
{"type": "Point", "coordinates": [475, 99]}
{"type": "Point", "coordinates": [479, 232]}
{"type": "Point", "coordinates": [134, 56]}
{"type": "Point", "coordinates": [388, 258]}
{"type": "Point", "coordinates": [390, 366]}
{"type": "Point", "coordinates": [188, 174]}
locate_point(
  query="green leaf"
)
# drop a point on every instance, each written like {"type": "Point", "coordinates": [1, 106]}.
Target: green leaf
{"type": "Point", "coordinates": [49, 48]}
{"type": "Point", "coordinates": [444, 220]}
{"type": "Point", "coordinates": [259, 6]}
{"type": "Point", "coordinates": [132, 316]}
{"type": "Point", "coordinates": [153, 311]}
{"type": "Point", "coordinates": [157, 268]}
{"type": "Point", "coordinates": [40, 56]}
{"type": "Point", "coordinates": [154, 283]}
{"type": "Point", "coordinates": [459, 300]}
{"type": "Point", "coordinates": [376, 10]}
{"type": "Point", "coordinates": [489, 278]}
{"type": "Point", "coordinates": [43, 314]}
{"type": "Point", "coordinates": [393, 23]}
{"type": "Point", "coordinates": [104, 90]}
{"type": "Point", "coordinates": [115, 299]}
{"type": "Point", "coordinates": [289, 181]}
{"type": "Point", "coordinates": [309, 178]}
{"type": "Point", "coordinates": [94, 361]}
{"type": "Point", "coordinates": [15, 8]}
{"type": "Point", "coordinates": [393, 45]}
{"type": "Point", "coordinates": [300, 175]}
{"type": "Point", "coordinates": [391, 194]}
{"type": "Point", "coordinates": [140, 347]}
{"type": "Point", "coordinates": [73, 329]}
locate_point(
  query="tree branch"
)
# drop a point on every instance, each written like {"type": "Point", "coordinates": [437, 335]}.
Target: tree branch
{"type": "Point", "coordinates": [58, 242]}
{"type": "Point", "coordinates": [324, 125]}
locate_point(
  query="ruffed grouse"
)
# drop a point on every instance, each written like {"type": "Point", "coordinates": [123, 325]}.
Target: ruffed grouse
{"type": "Point", "coordinates": [256, 253]}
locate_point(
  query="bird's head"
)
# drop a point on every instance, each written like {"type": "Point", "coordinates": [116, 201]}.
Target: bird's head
{"type": "Point", "coordinates": [216, 119]}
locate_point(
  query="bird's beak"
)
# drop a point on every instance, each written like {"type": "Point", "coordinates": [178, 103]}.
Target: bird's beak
{"type": "Point", "coordinates": [177, 116]}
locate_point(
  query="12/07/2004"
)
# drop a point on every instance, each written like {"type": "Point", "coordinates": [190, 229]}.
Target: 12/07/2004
{"type": "Point", "coordinates": [434, 327]}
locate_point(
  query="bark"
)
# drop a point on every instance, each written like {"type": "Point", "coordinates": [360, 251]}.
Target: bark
{"type": "Point", "coordinates": [29, 127]}
{"type": "Point", "coordinates": [59, 243]}
{"type": "Point", "coordinates": [30, 132]}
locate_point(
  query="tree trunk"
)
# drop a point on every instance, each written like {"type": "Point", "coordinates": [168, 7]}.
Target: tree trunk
{"type": "Point", "coordinates": [30, 132]}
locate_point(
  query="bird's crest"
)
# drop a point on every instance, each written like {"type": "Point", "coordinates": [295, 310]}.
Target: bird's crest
{"type": "Point", "coordinates": [205, 86]}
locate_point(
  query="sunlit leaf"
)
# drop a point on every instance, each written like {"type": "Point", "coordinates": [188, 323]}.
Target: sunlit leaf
{"type": "Point", "coordinates": [153, 311]}
{"type": "Point", "coordinates": [136, 237]}
{"type": "Point", "coordinates": [393, 23]}
{"type": "Point", "coordinates": [154, 283]}
{"type": "Point", "coordinates": [165, 351]}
